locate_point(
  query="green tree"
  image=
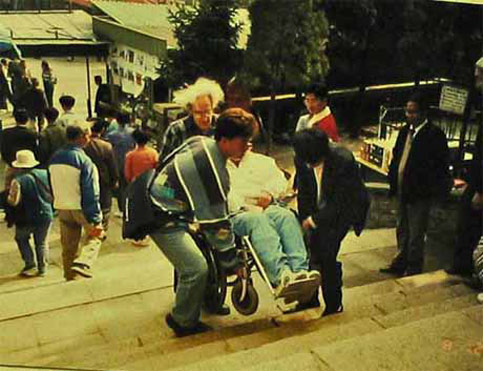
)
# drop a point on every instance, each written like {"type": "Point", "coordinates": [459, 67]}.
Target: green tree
{"type": "Point", "coordinates": [207, 36]}
{"type": "Point", "coordinates": [286, 47]}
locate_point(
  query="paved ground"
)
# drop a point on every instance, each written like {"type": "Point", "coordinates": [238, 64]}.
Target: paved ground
{"type": "Point", "coordinates": [72, 79]}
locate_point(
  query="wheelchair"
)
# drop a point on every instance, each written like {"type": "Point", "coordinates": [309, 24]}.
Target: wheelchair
{"type": "Point", "coordinates": [244, 296]}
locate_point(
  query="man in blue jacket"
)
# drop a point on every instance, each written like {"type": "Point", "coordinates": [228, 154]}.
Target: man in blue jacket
{"type": "Point", "coordinates": [75, 186]}
{"type": "Point", "coordinates": [30, 189]}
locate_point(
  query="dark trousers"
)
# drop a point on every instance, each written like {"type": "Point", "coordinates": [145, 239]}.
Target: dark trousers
{"type": "Point", "coordinates": [412, 225]}
{"type": "Point", "coordinates": [468, 232]}
{"type": "Point", "coordinates": [324, 247]}
{"type": "Point", "coordinates": [121, 192]}
{"type": "Point", "coordinates": [105, 200]}
{"type": "Point", "coordinates": [49, 93]}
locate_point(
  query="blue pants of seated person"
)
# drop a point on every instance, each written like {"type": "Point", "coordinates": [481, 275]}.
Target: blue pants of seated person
{"type": "Point", "coordinates": [276, 236]}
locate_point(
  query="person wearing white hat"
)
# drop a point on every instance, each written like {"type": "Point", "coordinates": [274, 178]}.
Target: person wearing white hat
{"type": "Point", "coordinates": [30, 189]}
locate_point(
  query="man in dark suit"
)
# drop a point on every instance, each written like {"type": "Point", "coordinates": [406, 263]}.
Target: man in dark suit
{"type": "Point", "coordinates": [332, 198]}
{"type": "Point", "coordinates": [103, 97]}
{"type": "Point", "coordinates": [418, 175]}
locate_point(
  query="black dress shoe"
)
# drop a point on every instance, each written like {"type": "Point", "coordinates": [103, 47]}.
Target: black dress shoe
{"type": "Point", "coordinates": [181, 331]}
{"type": "Point", "coordinates": [393, 270]}
{"type": "Point", "coordinates": [412, 272]}
{"type": "Point", "coordinates": [307, 305]}
{"type": "Point", "coordinates": [328, 311]}
{"type": "Point", "coordinates": [459, 272]}
{"type": "Point", "coordinates": [224, 310]}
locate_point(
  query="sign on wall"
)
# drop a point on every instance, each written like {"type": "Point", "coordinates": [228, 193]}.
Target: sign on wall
{"type": "Point", "coordinates": [453, 99]}
{"type": "Point", "coordinates": [130, 67]}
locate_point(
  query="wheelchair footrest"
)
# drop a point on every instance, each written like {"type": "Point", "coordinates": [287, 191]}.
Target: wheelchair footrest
{"type": "Point", "coordinates": [300, 290]}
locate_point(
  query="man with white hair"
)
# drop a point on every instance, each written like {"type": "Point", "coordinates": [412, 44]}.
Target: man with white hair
{"type": "Point", "coordinates": [200, 100]}
{"type": "Point", "coordinates": [75, 187]}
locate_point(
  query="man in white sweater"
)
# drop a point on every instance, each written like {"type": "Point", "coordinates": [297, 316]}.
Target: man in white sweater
{"type": "Point", "coordinates": [256, 184]}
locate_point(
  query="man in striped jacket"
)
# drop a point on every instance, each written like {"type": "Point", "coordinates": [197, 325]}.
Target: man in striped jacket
{"type": "Point", "coordinates": [197, 176]}
{"type": "Point", "coordinates": [75, 187]}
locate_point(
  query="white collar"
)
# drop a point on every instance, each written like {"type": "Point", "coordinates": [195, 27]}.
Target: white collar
{"type": "Point", "coordinates": [319, 116]}
{"type": "Point", "coordinates": [418, 129]}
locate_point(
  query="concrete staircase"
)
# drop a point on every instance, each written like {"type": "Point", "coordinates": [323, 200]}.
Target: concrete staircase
{"type": "Point", "coordinates": [115, 321]}
{"type": "Point", "coordinates": [425, 322]}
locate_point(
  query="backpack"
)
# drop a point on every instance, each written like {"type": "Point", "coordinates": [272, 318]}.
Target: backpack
{"type": "Point", "coordinates": [44, 190]}
{"type": "Point", "coordinates": [141, 215]}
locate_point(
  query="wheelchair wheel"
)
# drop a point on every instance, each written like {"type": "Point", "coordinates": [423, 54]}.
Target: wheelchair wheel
{"type": "Point", "coordinates": [216, 286]}
{"type": "Point", "coordinates": [215, 289]}
{"type": "Point", "coordinates": [249, 304]}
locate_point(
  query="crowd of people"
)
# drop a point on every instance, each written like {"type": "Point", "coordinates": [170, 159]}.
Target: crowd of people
{"type": "Point", "coordinates": [205, 166]}
{"type": "Point", "coordinates": [24, 91]}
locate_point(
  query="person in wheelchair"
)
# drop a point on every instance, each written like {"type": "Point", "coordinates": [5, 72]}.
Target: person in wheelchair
{"type": "Point", "coordinates": [273, 229]}
{"type": "Point", "coordinates": [196, 180]}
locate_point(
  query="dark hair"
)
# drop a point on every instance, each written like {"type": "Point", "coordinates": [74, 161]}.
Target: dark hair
{"type": "Point", "coordinates": [311, 145]}
{"type": "Point", "coordinates": [98, 78]}
{"type": "Point", "coordinates": [67, 101]}
{"type": "Point", "coordinates": [235, 123]}
{"type": "Point", "coordinates": [140, 137]}
{"type": "Point", "coordinates": [319, 90]}
{"type": "Point", "coordinates": [51, 114]}
{"type": "Point", "coordinates": [419, 99]}
{"type": "Point", "coordinates": [123, 118]}
{"type": "Point", "coordinates": [98, 126]}
{"type": "Point", "coordinates": [74, 132]}
{"type": "Point", "coordinates": [21, 115]}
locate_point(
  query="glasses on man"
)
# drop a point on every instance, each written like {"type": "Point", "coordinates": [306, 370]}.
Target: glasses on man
{"type": "Point", "coordinates": [208, 113]}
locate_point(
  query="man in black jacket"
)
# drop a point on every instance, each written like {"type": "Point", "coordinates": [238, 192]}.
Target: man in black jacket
{"type": "Point", "coordinates": [16, 138]}
{"type": "Point", "coordinates": [103, 97]}
{"type": "Point", "coordinates": [332, 198]}
{"type": "Point", "coordinates": [418, 175]}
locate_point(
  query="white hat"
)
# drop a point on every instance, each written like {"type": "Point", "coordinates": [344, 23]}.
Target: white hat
{"type": "Point", "coordinates": [479, 63]}
{"type": "Point", "coordinates": [25, 159]}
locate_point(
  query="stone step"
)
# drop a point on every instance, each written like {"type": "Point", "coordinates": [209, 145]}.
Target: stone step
{"type": "Point", "coordinates": [87, 310]}
{"type": "Point", "coordinates": [321, 333]}
{"type": "Point", "coordinates": [300, 362]}
{"type": "Point", "coordinates": [228, 340]}
{"type": "Point", "coordinates": [444, 342]}
{"type": "Point", "coordinates": [115, 278]}
{"type": "Point", "coordinates": [276, 352]}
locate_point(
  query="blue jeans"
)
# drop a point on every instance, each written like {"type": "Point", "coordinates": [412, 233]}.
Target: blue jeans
{"type": "Point", "coordinates": [183, 253]}
{"type": "Point", "coordinates": [276, 236]}
{"type": "Point", "coordinates": [40, 233]}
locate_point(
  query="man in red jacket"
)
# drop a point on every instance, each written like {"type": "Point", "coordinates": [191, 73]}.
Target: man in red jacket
{"type": "Point", "coordinates": [319, 115]}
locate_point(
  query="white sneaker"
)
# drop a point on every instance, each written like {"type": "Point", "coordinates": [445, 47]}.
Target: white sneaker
{"type": "Point", "coordinates": [141, 243]}
{"type": "Point", "coordinates": [285, 280]}
{"type": "Point", "coordinates": [302, 275]}
{"type": "Point", "coordinates": [479, 298]}
{"type": "Point", "coordinates": [315, 275]}
{"type": "Point", "coordinates": [29, 272]}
